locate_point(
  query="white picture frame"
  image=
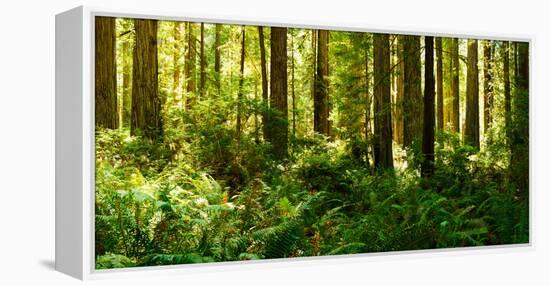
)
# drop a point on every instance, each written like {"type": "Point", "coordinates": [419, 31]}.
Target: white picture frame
{"type": "Point", "coordinates": [74, 167]}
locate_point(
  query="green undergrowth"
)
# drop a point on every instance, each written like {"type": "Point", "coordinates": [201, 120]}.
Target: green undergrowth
{"type": "Point", "coordinates": [194, 199]}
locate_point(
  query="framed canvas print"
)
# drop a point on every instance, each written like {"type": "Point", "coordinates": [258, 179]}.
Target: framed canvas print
{"type": "Point", "coordinates": [182, 141]}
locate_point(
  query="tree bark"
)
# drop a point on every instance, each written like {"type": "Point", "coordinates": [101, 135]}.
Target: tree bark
{"type": "Point", "coordinates": [455, 87]}
{"type": "Point", "coordinates": [428, 139]}
{"type": "Point", "coordinates": [368, 103]}
{"type": "Point", "coordinates": [439, 88]}
{"type": "Point", "coordinates": [394, 70]}
{"type": "Point", "coordinates": [382, 103]}
{"type": "Point", "coordinates": [412, 101]}
{"type": "Point", "coordinates": [321, 98]}
{"type": "Point", "coordinates": [471, 130]}
{"type": "Point", "coordinates": [146, 105]}
{"type": "Point", "coordinates": [400, 93]}
{"type": "Point", "coordinates": [106, 107]}
{"type": "Point", "coordinates": [265, 95]}
{"type": "Point", "coordinates": [520, 117]}
{"type": "Point", "coordinates": [313, 61]}
{"type": "Point", "coordinates": [279, 90]}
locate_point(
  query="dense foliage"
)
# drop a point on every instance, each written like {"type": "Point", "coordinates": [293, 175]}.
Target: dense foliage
{"type": "Point", "coordinates": [153, 210]}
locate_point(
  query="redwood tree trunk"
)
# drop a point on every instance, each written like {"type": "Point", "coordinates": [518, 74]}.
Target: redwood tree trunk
{"type": "Point", "coordinates": [383, 152]}
{"type": "Point", "coordinates": [279, 91]}
{"type": "Point", "coordinates": [313, 61]}
{"type": "Point", "coordinates": [106, 108]}
{"type": "Point", "coordinates": [400, 93]}
{"type": "Point", "coordinates": [471, 130]}
{"type": "Point", "coordinates": [265, 95]}
{"type": "Point", "coordinates": [455, 87]}
{"type": "Point", "coordinates": [321, 99]}
{"type": "Point", "coordinates": [439, 89]}
{"type": "Point", "coordinates": [520, 132]}
{"type": "Point", "coordinates": [368, 103]}
{"type": "Point", "coordinates": [146, 105]}
{"type": "Point", "coordinates": [412, 101]}
{"type": "Point", "coordinates": [428, 139]}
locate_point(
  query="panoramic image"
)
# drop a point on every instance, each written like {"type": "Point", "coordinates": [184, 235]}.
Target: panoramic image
{"type": "Point", "coordinates": [223, 142]}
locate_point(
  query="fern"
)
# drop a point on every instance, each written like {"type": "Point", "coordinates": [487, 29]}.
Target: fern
{"type": "Point", "coordinates": [169, 259]}
{"type": "Point", "coordinates": [113, 261]}
{"type": "Point", "coordinates": [279, 241]}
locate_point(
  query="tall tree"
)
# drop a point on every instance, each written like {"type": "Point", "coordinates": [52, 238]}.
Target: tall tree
{"type": "Point", "coordinates": [146, 105]}
{"type": "Point", "coordinates": [400, 93]}
{"type": "Point", "coordinates": [383, 151]}
{"type": "Point", "coordinates": [279, 91]}
{"type": "Point", "coordinates": [487, 85]}
{"type": "Point", "coordinates": [428, 137]}
{"type": "Point", "coordinates": [265, 95]}
{"type": "Point", "coordinates": [313, 61]}
{"type": "Point", "coordinates": [394, 70]}
{"type": "Point", "coordinates": [507, 93]}
{"type": "Point", "coordinates": [190, 65]}
{"type": "Point", "coordinates": [439, 88]}
{"type": "Point", "coordinates": [455, 86]}
{"type": "Point", "coordinates": [217, 57]}
{"type": "Point", "coordinates": [106, 108]}
{"type": "Point", "coordinates": [368, 101]}
{"type": "Point", "coordinates": [412, 101]}
{"type": "Point", "coordinates": [321, 98]}
{"type": "Point", "coordinates": [520, 116]}
{"type": "Point", "coordinates": [202, 80]}
{"type": "Point", "coordinates": [241, 83]}
{"type": "Point", "coordinates": [471, 128]}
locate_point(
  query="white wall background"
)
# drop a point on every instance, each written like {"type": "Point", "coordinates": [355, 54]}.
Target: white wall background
{"type": "Point", "coordinates": [27, 141]}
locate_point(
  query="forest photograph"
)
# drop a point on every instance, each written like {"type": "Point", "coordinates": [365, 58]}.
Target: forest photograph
{"type": "Point", "coordinates": [225, 142]}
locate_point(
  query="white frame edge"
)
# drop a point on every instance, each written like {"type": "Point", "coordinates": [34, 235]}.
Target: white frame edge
{"type": "Point", "coordinates": [73, 119]}
{"type": "Point", "coordinates": [74, 147]}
